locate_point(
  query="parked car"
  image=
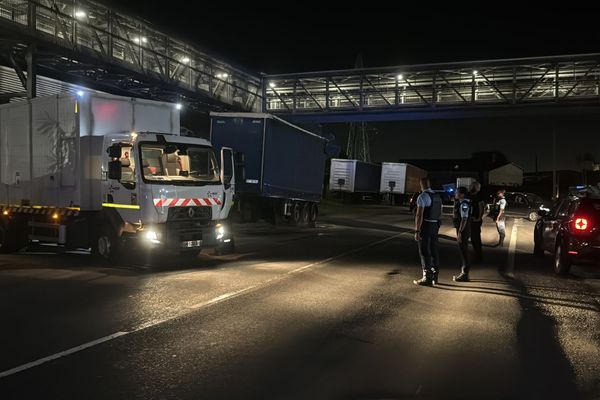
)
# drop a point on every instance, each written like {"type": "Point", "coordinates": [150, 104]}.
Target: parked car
{"type": "Point", "coordinates": [570, 231]}
{"type": "Point", "coordinates": [524, 205]}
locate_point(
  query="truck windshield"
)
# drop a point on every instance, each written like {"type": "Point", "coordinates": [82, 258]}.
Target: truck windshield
{"type": "Point", "coordinates": [178, 163]}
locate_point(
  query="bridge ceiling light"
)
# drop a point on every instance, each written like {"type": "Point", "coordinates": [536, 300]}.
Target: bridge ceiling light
{"type": "Point", "coordinates": [272, 85]}
{"type": "Point", "coordinates": [475, 72]}
{"type": "Point", "coordinates": [400, 77]}
{"type": "Point", "coordinates": [222, 75]}
{"type": "Point", "coordinates": [80, 14]}
{"type": "Point", "coordinates": [139, 40]}
{"type": "Point", "coordinates": [185, 60]}
{"type": "Point", "coordinates": [178, 106]}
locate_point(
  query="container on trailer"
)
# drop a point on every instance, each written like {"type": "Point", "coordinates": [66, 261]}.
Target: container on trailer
{"type": "Point", "coordinates": [280, 166]}
{"type": "Point", "coordinates": [354, 176]}
{"type": "Point", "coordinates": [400, 178]}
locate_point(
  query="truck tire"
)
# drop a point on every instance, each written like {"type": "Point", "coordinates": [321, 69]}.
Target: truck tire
{"type": "Point", "coordinates": [296, 214]}
{"type": "Point", "coordinates": [107, 245]}
{"type": "Point", "coordinates": [533, 216]}
{"type": "Point", "coordinates": [313, 213]}
{"type": "Point", "coordinates": [226, 248]}
{"type": "Point", "coordinates": [305, 213]}
{"type": "Point", "coordinates": [13, 236]}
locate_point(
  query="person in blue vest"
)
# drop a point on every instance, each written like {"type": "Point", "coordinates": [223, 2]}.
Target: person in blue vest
{"type": "Point", "coordinates": [427, 225]}
{"type": "Point", "coordinates": [462, 217]}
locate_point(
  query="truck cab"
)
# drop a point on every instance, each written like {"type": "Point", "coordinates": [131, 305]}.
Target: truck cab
{"type": "Point", "coordinates": [164, 191]}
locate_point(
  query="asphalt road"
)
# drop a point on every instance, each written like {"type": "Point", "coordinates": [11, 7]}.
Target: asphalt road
{"type": "Point", "coordinates": [324, 313]}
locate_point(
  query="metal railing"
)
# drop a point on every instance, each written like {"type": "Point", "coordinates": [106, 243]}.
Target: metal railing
{"type": "Point", "coordinates": [496, 82]}
{"type": "Point", "coordinates": [113, 37]}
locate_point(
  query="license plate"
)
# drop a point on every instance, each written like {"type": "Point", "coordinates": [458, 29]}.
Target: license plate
{"type": "Point", "coordinates": [191, 243]}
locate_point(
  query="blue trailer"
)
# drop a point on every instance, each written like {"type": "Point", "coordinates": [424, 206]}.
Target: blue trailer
{"type": "Point", "coordinates": [280, 167]}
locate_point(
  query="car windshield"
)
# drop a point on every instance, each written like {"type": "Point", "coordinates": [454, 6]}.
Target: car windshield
{"type": "Point", "coordinates": [178, 163]}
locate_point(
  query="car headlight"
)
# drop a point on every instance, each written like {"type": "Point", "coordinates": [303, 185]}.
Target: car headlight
{"type": "Point", "coordinates": [220, 231]}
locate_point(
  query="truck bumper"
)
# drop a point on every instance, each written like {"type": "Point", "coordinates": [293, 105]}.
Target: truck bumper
{"type": "Point", "coordinates": [174, 238]}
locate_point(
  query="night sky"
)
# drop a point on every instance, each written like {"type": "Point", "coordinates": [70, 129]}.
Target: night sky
{"type": "Point", "coordinates": [303, 36]}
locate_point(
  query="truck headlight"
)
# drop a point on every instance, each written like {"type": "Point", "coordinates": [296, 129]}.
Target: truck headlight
{"type": "Point", "coordinates": [220, 231]}
{"type": "Point", "coordinates": [152, 237]}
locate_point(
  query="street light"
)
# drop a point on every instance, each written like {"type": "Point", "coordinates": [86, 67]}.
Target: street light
{"type": "Point", "coordinates": [475, 72]}
{"type": "Point", "coordinates": [178, 106]}
{"type": "Point", "coordinates": [272, 85]}
{"type": "Point", "coordinates": [139, 40]}
{"type": "Point", "coordinates": [80, 14]}
{"type": "Point", "coordinates": [80, 93]}
{"type": "Point", "coordinates": [400, 77]}
{"type": "Point", "coordinates": [185, 60]}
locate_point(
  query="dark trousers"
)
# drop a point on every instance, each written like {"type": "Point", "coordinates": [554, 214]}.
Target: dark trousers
{"type": "Point", "coordinates": [476, 239]}
{"type": "Point", "coordinates": [428, 248]}
{"type": "Point", "coordinates": [463, 246]}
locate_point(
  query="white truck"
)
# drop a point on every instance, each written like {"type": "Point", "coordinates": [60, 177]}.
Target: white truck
{"type": "Point", "coordinates": [108, 173]}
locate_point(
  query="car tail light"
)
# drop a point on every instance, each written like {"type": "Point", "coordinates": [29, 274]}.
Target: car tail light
{"type": "Point", "coordinates": [581, 224]}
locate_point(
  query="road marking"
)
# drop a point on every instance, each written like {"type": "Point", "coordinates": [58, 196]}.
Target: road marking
{"type": "Point", "coordinates": [512, 250]}
{"type": "Point", "coordinates": [215, 300]}
{"type": "Point", "coordinates": [61, 354]}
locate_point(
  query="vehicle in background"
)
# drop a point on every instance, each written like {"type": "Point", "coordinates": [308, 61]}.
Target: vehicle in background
{"type": "Point", "coordinates": [525, 205]}
{"type": "Point", "coordinates": [107, 172]}
{"type": "Point", "coordinates": [280, 166]}
{"type": "Point", "coordinates": [465, 182]}
{"type": "Point", "coordinates": [400, 181]}
{"type": "Point", "coordinates": [570, 231]}
{"type": "Point", "coordinates": [355, 180]}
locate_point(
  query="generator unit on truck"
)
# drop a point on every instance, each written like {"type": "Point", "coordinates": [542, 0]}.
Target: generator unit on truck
{"type": "Point", "coordinates": [399, 181]}
{"type": "Point", "coordinates": [280, 166]}
{"type": "Point", "coordinates": [354, 179]}
{"type": "Point", "coordinates": [109, 173]}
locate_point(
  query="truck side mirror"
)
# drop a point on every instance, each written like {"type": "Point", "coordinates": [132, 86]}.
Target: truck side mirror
{"type": "Point", "coordinates": [114, 169]}
{"type": "Point", "coordinates": [114, 151]}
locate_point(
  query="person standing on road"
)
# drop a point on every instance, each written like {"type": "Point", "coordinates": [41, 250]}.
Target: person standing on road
{"type": "Point", "coordinates": [500, 216]}
{"type": "Point", "coordinates": [462, 222]}
{"type": "Point", "coordinates": [427, 225]}
{"type": "Point", "coordinates": [478, 206]}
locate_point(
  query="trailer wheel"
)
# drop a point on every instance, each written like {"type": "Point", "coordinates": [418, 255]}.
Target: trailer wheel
{"type": "Point", "coordinates": [305, 213]}
{"type": "Point", "coordinates": [313, 213]}
{"type": "Point", "coordinates": [107, 244]}
{"type": "Point", "coordinates": [296, 214]}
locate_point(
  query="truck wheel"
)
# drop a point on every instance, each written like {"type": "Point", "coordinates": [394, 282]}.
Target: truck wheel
{"type": "Point", "coordinates": [296, 214]}
{"type": "Point", "coordinates": [226, 248]}
{"type": "Point", "coordinates": [313, 213]}
{"type": "Point", "coordinates": [107, 245]}
{"type": "Point", "coordinates": [305, 213]}
{"type": "Point", "coordinates": [562, 263]}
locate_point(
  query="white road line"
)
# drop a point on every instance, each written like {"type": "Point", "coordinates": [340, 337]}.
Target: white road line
{"type": "Point", "coordinates": [512, 250]}
{"type": "Point", "coordinates": [215, 300]}
{"type": "Point", "coordinates": [61, 354]}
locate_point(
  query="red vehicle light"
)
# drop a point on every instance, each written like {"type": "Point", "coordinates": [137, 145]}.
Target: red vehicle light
{"type": "Point", "coordinates": [581, 224]}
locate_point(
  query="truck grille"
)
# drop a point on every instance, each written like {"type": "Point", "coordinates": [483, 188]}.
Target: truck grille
{"type": "Point", "coordinates": [200, 213]}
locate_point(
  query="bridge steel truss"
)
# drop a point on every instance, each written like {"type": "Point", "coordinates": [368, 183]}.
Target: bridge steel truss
{"type": "Point", "coordinates": [446, 90]}
{"type": "Point", "coordinates": [86, 43]}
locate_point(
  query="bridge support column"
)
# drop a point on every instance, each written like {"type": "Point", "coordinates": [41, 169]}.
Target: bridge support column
{"type": "Point", "coordinates": [31, 83]}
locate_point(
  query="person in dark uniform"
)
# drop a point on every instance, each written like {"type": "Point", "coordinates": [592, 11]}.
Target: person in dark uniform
{"type": "Point", "coordinates": [478, 205]}
{"type": "Point", "coordinates": [462, 223]}
{"type": "Point", "coordinates": [427, 225]}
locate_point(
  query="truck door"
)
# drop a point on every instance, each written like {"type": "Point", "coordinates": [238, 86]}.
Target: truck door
{"type": "Point", "coordinates": [120, 190]}
{"type": "Point", "coordinates": [228, 179]}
